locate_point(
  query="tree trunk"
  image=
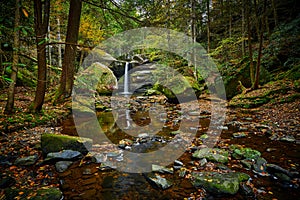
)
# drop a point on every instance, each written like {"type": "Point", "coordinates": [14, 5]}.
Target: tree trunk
{"type": "Point", "coordinates": [261, 26]}
{"type": "Point", "coordinates": [252, 75]}
{"type": "Point", "coordinates": [11, 90]}
{"type": "Point", "coordinates": [243, 28]}
{"type": "Point", "coordinates": [274, 13]}
{"type": "Point", "coordinates": [208, 25]}
{"type": "Point", "coordinates": [41, 13]}
{"type": "Point", "coordinates": [230, 19]}
{"type": "Point", "coordinates": [59, 45]}
{"type": "Point", "coordinates": [68, 68]}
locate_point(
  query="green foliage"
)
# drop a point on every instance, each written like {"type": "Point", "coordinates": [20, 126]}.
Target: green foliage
{"type": "Point", "coordinates": [283, 50]}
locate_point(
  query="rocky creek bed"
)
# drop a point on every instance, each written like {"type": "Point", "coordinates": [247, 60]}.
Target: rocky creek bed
{"type": "Point", "coordinates": [256, 157]}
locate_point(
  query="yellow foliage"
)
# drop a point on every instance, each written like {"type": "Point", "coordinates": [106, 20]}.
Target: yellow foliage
{"type": "Point", "coordinates": [90, 30]}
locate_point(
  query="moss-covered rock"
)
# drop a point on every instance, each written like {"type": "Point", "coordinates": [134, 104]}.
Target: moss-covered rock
{"type": "Point", "coordinates": [212, 154]}
{"type": "Point", "coordinates": [246, 153]}
{"type": "Point", "coordinates": [56, 143]}
{"type": "Point", "coordinates": [219, 183]}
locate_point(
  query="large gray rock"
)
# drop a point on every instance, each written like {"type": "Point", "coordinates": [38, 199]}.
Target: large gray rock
{"type": "Point", "coordinates": [56, 143]}
{"type": "Point", "coordinates": [212, 154]}
{"type": "Point", "coordinates": [63, 155]}
{"type": "Point", "coordinates": [219, 183]}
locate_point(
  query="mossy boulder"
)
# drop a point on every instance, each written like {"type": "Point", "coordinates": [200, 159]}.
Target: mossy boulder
{"type": "Point", "coordinates": [177, 87]}
{"type": "Point", "coordinates": [219, 183]}
{"type": "Point", "coordinates": [246, 153]}
{"type": "Point", "coordinates": [56, 143]}
{"type": "Point", "coordinates": [212, 154]}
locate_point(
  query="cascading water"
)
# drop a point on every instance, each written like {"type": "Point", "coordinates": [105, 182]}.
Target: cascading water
{"type": "Point", "coordinates": [126, 79]}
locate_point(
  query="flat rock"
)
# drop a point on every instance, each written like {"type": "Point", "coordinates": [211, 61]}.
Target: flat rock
{"type": "Point", "coordinates": [26, 161]}
{"type": "Point", "coordinates": [212, 154]}
{"type": "Point", "coordinates": [159, 181]}
{"type": "Point", "coordinates": [64, 155]}
{"type": "Point", "coordinates": [219, 183]}
{"type": "Point", "coordinates": [162, 169]}
{"type": "Point", "coordinates": [57, 142]}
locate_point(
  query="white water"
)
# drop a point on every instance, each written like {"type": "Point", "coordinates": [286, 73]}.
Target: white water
{"type": "Point", "coordinates": [126, 82]}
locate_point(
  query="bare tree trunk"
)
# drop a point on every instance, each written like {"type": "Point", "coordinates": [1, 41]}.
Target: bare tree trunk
{"type": "Point", "coordinates": [59, 45]}
{"type": "Point", "coordinates": [11, 90]}
{"type": "Point", "coordinates": [193, 30]}
{"type": "Point", "coordinates": [252, 75]}
{"type": "Point", "coordinates": [41, 13]}
{"type": "Point", "coordinates": [230, 19]}
{"type": "Point", "coordinates": [243, 28]}
{"type": "Point", "coordinates": [274, 13]}
{"type": "Point", "coordinates": [67, 76]}
{"type": "Point", "coordinates": [208, 25]}
{"type": "Point", "coordinates": [261, 25]}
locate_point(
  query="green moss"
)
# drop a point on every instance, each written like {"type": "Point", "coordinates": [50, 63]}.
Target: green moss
{"type": "Point", "coordinates": [56, 143]}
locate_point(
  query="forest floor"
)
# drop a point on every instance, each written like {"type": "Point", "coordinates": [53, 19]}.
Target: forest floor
{"type": "Point", "coordinates": [20, 133]}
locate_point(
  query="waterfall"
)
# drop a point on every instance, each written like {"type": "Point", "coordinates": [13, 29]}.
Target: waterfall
{"type": "Point", "coordinates": [126, 79]}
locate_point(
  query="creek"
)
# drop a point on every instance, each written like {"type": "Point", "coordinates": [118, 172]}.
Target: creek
{"type": "Point", "coordinates": [90, 180]}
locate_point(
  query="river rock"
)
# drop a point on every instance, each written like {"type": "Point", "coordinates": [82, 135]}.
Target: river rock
{"type": "Point", "coordinates": [239, 135]}
{"type": "Point", "coordinates": [63, 155]}
{"type": "Point", "coordinates": [219, 183]}
{"type": "Point", "coordinates": [260, 166]}
{"type": "Point", "coordinates": [161, 169]}
{"type": "Point", "coordinates": [212, 154]}
{"type": "Point", "coordinates": [48, 193]}
{"type": "Point", "coordinates": [246, 153]}
{"type": "Point", "coordinates": [159, 181]}
{"type": "Point", "coordinates": [62, 166]}
{"type": "Point", "coordinates": [99, 158]}
{"type": "Point", "coordinates": [288, 138]}
{"type": "Point", "coordinates": [272, 169]}
{"type": "Point", "coordinates": [247, 191]}
{"type": "Point", "coordinates": [56, 143]}
{"type": "Point", "coordinates": [26, 161]}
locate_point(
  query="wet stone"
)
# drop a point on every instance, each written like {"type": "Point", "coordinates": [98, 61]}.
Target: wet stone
{"type": "Point", "coordinates": [272, 168]}
{"type": "Point", "coordinates": [161, 169]}
{"type": "Point", "coordinates": [247, 164]}
{"type": "Point", "coordinates": [239, 135]}
{"type": "Point", "coordinates": [178, 163]}
{"type": "Point", "coordinates": [288, 138]}
{"type": "Point", "coordinates": [260, 166]}
{"type": "Point", "coordinates": [282, 177]}
{"type": "Point", "coordinates": [62, 166]}
{"type": "Point", "coordinates": [247, 191]}
{"type": "Point", "coordinates": [219, 183]}
{"type": "Point", "coordinates": [99, 158]}
{"type": "Point", "coordinates": [159, 181]}
{"type": "Point", "coordinates": [26, 161]}
{"type": "Point", "coordinates": [64, 155]}
{"type": "Point", "coordinates": [212, 154]}
{"type": "Point", "coordinates": [270, 149]}
{"type": "Point", "coordinates": [143, 135]}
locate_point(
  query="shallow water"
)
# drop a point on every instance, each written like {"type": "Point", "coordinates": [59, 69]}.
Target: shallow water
{"type": "Point", "coordinates": [103, 183]}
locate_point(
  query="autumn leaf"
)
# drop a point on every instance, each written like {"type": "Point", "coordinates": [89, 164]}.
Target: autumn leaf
{"type": "Point", "coordinates": [25, 12]}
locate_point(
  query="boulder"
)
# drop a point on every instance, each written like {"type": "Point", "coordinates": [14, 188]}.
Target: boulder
{"type": "Point", "coordinates": [63, 155]}
{"type": "Point", "coordinates": [219, 183]}
{"type": "Point", "coordinates": [56, 143]}
{"type": "Point", "coordinates": [212, 154]}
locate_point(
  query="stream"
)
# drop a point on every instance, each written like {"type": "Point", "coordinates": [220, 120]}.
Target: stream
{"type": "Point", "coordinates": [89, 180]}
